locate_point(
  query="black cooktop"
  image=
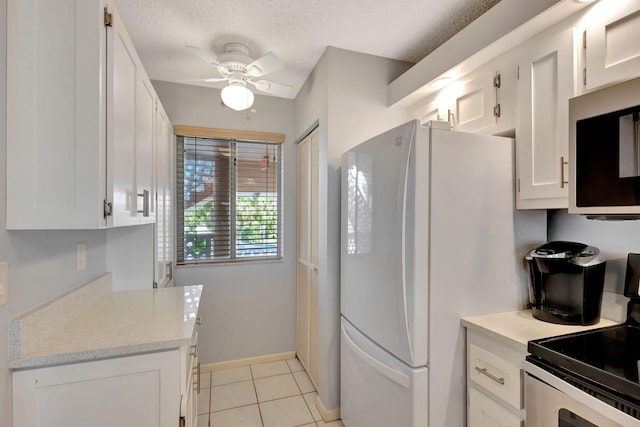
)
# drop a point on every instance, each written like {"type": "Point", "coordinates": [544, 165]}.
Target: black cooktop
{"type": "Point", "coordinates": [606, 357]}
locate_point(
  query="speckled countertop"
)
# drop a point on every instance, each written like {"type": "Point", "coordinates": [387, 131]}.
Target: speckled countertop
{"type": "Point", "coordinates": [517, 328]}
{"type": "Point", "coordinates": [93, 322]}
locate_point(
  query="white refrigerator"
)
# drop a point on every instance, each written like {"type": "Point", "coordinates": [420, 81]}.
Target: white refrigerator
{"type": "Point", "coordinates": [427, 238]}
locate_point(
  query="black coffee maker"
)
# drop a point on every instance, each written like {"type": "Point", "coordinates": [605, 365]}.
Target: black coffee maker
{"type": "Point", "coordinates": [565, 282]}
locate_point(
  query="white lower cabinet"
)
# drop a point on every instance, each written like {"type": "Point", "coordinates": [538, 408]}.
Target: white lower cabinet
{"type": "Point", "coordinates": [154, 389]}
{"type": "Point", "coordinates": [494, 383]}
{"type": "Point", "coordinates": [484, 412]}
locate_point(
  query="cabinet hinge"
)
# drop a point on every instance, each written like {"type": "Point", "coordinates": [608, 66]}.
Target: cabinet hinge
{"type": "Point", "coordinates": [155, 285]}
{"type": "Point", "coordinates": [107, 208]}
{"type": "Point", "coordinates": [496, 111]}
{"type": "Point", "coordinates": [108, 18]}
{"type": "Point", "coordinates": [584, 39]}
{"type": "Point", "coordinates": [496, 81]}
{"type": "Point", "coordinates": [584, 76]}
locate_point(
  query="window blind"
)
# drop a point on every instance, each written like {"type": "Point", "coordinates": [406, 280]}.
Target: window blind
{"type": "Point", "coordinates": [229, 202]}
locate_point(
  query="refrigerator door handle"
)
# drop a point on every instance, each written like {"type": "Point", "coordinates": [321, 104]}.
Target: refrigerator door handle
{"type": "Point", "coordinates": [392, 374]}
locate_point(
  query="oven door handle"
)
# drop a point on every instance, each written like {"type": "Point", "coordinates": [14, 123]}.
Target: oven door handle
{"type": "Point", "coordinates": [484, 371]}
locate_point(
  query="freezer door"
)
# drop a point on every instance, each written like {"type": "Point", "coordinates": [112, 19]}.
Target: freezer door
{"type": "Point", "coordinates": [378, 390]}
{"type": "Point", "coordinates": [381, 293]}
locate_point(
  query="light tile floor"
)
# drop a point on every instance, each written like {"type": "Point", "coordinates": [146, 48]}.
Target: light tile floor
{"type": "Point", "coordinates": [278, 394]}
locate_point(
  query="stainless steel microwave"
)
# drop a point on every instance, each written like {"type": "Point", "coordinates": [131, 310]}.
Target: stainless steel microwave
{"type": "Point", "coordinates": [604, 152]}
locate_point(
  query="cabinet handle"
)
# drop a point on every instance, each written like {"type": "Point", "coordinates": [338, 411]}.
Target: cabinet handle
{"type": "Point", "coordinates": [483, 371]}
{"type": "Point", "coordinates": [145, 203]}
{"type": "Point", "coordinates": [562, 164]}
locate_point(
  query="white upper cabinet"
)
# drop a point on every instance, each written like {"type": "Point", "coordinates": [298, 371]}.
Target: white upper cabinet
{"type": "Point", "coordinates": [482, 101]}
{"type": "Point", "coordinates": [611, 47]}
{"type": "Point", "coordinates": [80, 118]}
{"type": "Point", "coordinates": [164, 171]}
{"type": "Point", "coordinates": [545, 84]}
{"type": "Point", "coordinates": [122, 71]}
{"type": "Point", "coordinates": [146, 102]}
{"type": "Point", "coordinates": [56, 137]}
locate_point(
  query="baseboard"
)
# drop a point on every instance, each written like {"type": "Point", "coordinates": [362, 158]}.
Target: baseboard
{"type": "Point", "coordinates": [326, 414]}
{"type": "Point", "coordinates": [238, 363]}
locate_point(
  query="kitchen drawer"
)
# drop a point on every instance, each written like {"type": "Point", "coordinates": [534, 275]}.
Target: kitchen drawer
{"type": "Point", "coordinates": [496, 375]}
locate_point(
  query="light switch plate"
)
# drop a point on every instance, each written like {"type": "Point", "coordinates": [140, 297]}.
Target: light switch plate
{"type": "Point", "coordinates": [3, 283]}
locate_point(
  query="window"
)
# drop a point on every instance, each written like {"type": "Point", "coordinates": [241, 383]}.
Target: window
{"type": "Point", "coordinates": [229, 200]}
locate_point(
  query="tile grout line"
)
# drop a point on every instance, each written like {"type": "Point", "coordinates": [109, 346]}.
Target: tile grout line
{"type": "Point", "coordinates": [255, 390]}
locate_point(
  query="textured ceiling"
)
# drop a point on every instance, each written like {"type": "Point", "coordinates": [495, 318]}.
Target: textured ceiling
{"type": "Point", "coordinates": [297, 31]}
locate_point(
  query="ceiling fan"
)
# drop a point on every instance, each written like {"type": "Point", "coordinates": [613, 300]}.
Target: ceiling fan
{"type": "Point", "coordinates": [238, 68]}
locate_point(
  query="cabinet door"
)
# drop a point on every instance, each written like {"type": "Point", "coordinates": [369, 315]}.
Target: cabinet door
{"type": "Point", "coordinates": [473, 102]}
{"type": "Point", "coordinates": [485, 412]}
{"type": "Point", "coordinates": [145, 105]}
{"type": "Point", "coordinates": [612, 48]}
{"type": "Point", "coordinates": [122, 71]}
{"type": "Point", "coordinates": [435, 108]}
{"type": "Point", "coordinates": [544, 87]}
{"type": "Point", "coordinates": [484, 101]}
{"type": "Point", "coordinates": [162, 184]}
{"type": "Point", "coordinates": [55, 114]}
{"type": "Point", "coordinates": [130, 391]}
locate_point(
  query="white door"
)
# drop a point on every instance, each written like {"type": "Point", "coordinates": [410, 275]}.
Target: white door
{"type": "Point", "coordinates": [378, 390]}
{"type": "Point", "coordinates": [307, 265]}
{"type": "Point", "coordinates": [380, 294]}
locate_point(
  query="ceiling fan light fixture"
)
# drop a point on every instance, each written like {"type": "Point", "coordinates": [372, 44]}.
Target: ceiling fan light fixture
{"type": "Point", "coordinates": [237, 96]}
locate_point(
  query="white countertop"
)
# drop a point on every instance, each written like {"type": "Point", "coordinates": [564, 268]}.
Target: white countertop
{"type": "Point", "coordinates": [94, 323]}
{"type": "Point", "coordinates": [517, 328]}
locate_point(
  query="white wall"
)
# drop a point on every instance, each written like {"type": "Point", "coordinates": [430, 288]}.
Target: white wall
{"type": "Point", "coordinates": [347, 95]}
{"type": "Point", "coordinates": [41, 264]}
{"type": "Point", "coordinates": [249, 309]}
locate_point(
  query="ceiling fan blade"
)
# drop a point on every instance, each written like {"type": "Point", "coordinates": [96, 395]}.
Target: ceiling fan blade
{"type": "Point", "coordinates": [273, 88]}
{"type": "Point", "coordinates": [205, 56]}
{"type": "Point", "coordinates": [221, 79]}
{"type": "Point", "coordinates": [264, 65]}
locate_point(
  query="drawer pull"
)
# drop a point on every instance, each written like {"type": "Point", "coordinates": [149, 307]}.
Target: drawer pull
{"type": "Point", "coordinates": [493, 377]}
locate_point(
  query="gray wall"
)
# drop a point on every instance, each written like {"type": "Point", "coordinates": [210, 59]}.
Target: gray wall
{"type": "Point", "coordinates": [41, 264]}
{"type": "Point", "coordinates": [250, 309]}
{"type": "Point", "coordinates": [615, 239]}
